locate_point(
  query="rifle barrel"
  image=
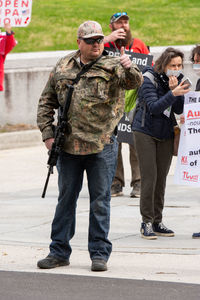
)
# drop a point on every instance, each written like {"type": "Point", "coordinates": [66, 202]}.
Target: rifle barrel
{"type": "Point", "coordinates": [46, 184]}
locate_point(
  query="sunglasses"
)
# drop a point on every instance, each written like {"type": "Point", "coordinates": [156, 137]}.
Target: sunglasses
{"type": "Point", "coordinates": [119, 14]}
{"type": "Point", "coordinates": [91, 41]}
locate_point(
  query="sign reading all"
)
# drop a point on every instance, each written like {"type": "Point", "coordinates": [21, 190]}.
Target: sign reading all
{"type": "Point", "coordinates": [15, 12]}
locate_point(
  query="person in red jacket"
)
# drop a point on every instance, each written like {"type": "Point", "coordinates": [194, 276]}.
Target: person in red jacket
{"type": "Point", "coordinates": [7, 43]}
{"type": "Point", "coordinates": [121, 36]}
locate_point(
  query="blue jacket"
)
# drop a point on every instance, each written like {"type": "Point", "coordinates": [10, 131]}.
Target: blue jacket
{"type": "Point", "coordinates": [157, 99]}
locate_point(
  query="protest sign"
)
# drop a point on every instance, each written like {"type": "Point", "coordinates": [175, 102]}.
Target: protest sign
{"type": "Point", "coordinates": [124, 133]}
{"type": "Point", "coordinates": [15, 12]}
{"type": "Point", "coordinates": [188, 161]}
{"type": "Point", "coordinates": [141, 60]}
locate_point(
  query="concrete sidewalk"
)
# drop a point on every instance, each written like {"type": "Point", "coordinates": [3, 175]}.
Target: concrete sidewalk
{"type": "Point", "coordinates": [25, 221]}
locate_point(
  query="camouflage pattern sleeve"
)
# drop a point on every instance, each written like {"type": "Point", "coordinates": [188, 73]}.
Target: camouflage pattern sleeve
{"type": "Point", "coordinates": [129, 78]}
{"type": "Point", "coordinates": [46, 108]}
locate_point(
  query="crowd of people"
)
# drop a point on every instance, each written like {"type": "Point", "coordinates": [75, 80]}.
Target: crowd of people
{"type": "Point", "coordinates": [99, 85]}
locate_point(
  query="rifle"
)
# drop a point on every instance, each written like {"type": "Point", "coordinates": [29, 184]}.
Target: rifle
{"type": "Point", "coordinates": [62, 129]}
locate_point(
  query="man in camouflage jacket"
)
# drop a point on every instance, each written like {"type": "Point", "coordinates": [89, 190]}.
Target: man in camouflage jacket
{"type": "Point", "coordinates": [95, 110]}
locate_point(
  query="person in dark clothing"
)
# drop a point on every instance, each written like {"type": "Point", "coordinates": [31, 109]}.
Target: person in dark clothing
{"type": "Point", "coordinates": [160, 96]}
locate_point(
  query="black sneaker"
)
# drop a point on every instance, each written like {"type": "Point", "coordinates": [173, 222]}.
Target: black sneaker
{"type": "Point", "coordinates": [135, 193]}
{"type": "Point", "coordinates": [196, 235]}
{"type": "Point", "coordinates": [52, 262]}
{"type": "Point", "coordinates": [99, 265]}
{"type": "Point", "coordinates": [162, 230]}
{"type": "Point", "coordinates": [147, 231]}
{"type": "Point", "coordinates": [116, 190]}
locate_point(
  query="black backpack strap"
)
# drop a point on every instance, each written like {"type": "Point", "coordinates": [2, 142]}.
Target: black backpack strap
{"type": "Point", "coordinates": [144, 113]}
{"type": "Point", "coordinates": [130, 46]}
{"type": "Point", "coordinates": [137, 106]}
{"type": "Point", "coordinates": [151, 77]}
{"type": "Point", "coordinates": [143, 103]}
{"type": "Point", "coordinates": [76, 80]}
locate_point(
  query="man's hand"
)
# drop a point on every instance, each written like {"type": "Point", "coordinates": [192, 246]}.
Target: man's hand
{"type": "Point", "coordinates": [48, 143]}
{"type": "Point", "coordinates": [124, 59]}
{"type": "Point", "coordinates": [115, 35]}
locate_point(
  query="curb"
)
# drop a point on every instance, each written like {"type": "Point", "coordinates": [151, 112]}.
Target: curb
{"type": "Point", "coordinates": [20, 139]}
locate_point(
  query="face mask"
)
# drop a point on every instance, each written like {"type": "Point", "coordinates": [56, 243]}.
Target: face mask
{"type": "Point", "coordinates": [196, 69]}
{"type": "Point", "coordinates": [173, 72]}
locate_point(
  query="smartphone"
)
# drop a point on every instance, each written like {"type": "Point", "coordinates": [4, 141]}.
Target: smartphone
{"type": "Point", "coordinates": [188, 82]}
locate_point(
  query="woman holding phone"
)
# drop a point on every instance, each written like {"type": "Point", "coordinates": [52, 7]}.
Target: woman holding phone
{"type": "Point", "coordinates": [160, 96]}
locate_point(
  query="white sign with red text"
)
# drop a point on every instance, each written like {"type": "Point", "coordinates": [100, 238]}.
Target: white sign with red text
{"type": "Point", "coordinates": [15, 12]}
{"type": "Point", "coordinates": [188, 160]}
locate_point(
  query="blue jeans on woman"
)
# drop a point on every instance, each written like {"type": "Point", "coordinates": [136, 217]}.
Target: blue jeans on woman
{"type": "Point", "coordinates": [100, 169]}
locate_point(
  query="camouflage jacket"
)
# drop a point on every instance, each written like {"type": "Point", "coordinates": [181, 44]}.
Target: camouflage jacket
{"type": "Point", "coordinates": [97, 102]}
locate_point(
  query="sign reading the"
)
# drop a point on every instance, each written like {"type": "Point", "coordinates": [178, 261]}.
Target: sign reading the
{"type": "Point", "coordinates": [188, 161]}
{"type": "Point", "coordinates": [15, 12]}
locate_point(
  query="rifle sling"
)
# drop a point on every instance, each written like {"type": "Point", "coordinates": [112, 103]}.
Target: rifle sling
{"type": "Point", "coordinates": [84, 70]}
{"type": "Point", "coordinates": [62, 111]}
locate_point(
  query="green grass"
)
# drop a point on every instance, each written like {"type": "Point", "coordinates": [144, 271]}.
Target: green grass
{"type": "Point", "coordinates": [54, 23]}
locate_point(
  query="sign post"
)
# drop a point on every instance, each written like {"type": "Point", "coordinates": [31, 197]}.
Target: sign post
{"type": "Point", "coordinates": [15, 12]}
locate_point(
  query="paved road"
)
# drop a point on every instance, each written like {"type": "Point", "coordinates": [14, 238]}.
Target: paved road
{"type": "Point", "coordinates": [34, 286]}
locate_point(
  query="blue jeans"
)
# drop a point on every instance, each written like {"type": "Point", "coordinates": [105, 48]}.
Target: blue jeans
{"type": "Point", "coordinates": [100, 169]}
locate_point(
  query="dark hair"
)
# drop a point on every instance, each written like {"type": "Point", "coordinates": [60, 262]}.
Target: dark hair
{"type": "Point", "coordinates": [165, 59]}
{"type": "Point", "coordinates": [195, 50]}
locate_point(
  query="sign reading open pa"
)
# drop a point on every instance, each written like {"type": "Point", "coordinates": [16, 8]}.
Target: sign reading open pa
{"type": "Point", "coordinates": [17, 13]}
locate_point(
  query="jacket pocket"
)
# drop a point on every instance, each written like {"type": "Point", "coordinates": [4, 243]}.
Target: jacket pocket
{"type": "Point", "coordinates": [96, 87]}
{"type": "Point", "coordinates": [61, 88]}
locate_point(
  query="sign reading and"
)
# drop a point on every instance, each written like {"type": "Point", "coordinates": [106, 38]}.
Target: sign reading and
{"type": "Point", "coordinates": [141, 60]}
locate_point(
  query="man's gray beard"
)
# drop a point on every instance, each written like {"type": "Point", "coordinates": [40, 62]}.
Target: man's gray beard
{"type": "Point", "coordinates": [126, 41]}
